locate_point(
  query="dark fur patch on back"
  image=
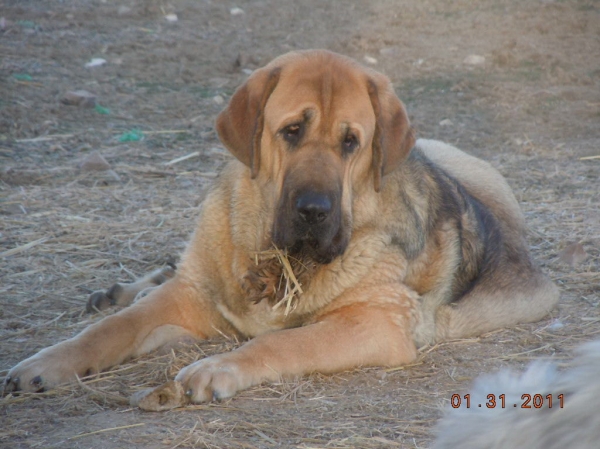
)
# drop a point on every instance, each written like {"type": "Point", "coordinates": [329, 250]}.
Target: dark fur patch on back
{"type": "Point", "coordinates": [481, 241]}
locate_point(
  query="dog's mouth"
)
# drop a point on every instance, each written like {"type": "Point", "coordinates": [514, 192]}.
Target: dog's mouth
{"type": "Point", "coordinates": [304, 249]}
{"type": "Point", "coordinates": [319, 243]}
{"type": "Point", "coordinates": [320, 250]}
{"type": "Point", "coordinates": [311, 224]}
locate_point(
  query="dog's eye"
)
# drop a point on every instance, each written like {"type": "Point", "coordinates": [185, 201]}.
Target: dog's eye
{"type": "Point", "coordinates": [349, 144]}
{"type": "Point", "coordinates": [292, 133]}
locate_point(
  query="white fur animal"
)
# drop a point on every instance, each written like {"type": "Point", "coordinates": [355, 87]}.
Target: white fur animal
{"type": "Point", "coordinates": [570, 421]}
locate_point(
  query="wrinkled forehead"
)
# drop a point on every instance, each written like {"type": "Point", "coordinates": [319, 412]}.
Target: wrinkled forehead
{"type": "Point", "coordinates": [336, 92]}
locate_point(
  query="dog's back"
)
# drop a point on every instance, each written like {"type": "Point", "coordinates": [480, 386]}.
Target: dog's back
{"type": "Point", "coordinates": [481, 179]}
{"type": "Point", "coordinates": [495, 278]}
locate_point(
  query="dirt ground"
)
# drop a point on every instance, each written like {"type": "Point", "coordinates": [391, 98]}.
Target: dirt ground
{"type": "Point", "coordinates": [531, 107]}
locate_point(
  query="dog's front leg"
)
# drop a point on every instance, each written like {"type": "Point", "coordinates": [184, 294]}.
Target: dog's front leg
{"type": "Point", "coordinates": [169, 312]}
{"type": "Point", "coordinates": [354, 335]}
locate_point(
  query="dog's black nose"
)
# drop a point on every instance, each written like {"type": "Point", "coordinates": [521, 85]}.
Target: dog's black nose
{"type": "Point", "coordinates": [313, 207]}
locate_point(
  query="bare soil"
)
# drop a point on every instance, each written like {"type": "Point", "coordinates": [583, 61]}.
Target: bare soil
{"type": "Point", "coordinates": [532, 108]}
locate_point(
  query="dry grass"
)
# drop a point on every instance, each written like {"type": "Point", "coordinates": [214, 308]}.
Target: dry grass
{"type": "Point", "coordinates": [286, 282]}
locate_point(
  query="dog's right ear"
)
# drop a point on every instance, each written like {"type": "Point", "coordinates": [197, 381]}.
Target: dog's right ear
{"type": "Point", "coordinates": [240, 124]}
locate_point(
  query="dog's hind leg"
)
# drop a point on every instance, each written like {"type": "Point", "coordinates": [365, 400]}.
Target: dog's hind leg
{"type": "Point", "coordinates": [516, 295]}
{"type": "Point", "coordinates": [124, 294]}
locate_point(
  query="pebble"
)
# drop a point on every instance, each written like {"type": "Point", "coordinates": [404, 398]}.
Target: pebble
{"type": "Point", "coordinates": [370, 60]}
{"type": "Point", "coordinates": [474, 60]}
{"type": "Point", "coordinates": [95, 62]}
{"type": "Point", "coordinates": [556, 325]}
{"type": "Point", "coordinates": [79, 98]}
{"type": "Point", "coordinates": [94, 162]}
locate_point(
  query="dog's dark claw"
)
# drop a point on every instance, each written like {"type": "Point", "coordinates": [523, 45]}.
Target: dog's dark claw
{"type": "Point", "coordinates": [11, 384]}
{"type": "Point", "coordinates": [114, 293]}
{"type": "Point", "coordinates": [98, 300]}
{"type": "Point", "coordinates": [37, 382]}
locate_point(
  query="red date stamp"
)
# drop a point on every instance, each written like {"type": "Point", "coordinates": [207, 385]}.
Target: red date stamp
{"type": "Point", "coordinates": [499, 401]}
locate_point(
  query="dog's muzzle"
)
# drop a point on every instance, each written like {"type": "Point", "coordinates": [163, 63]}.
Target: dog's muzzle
{"type": "Point", "coordinates": [310, 223]}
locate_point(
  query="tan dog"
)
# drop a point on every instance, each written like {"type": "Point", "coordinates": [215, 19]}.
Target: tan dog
{"type": "Point", "coordinates": [395, 245]}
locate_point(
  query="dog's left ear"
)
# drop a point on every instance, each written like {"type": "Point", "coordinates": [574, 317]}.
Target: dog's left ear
{"type": "Point", "coordinates": [394, 137]}
{"type": "Point", "coordinates": [240, 124]}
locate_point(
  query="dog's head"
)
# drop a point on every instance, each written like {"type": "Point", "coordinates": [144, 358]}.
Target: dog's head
{"type": "Point", "coordinates": [320, 129]}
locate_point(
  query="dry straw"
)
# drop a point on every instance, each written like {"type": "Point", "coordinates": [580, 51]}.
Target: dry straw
{"type": "Point", "coordinates": [288, 281]}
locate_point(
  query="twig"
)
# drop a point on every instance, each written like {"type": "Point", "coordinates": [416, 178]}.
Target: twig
{"type": "Point", "coordinates": [510, 356]}
{"type": "Point", "coordinates": [99, 394]}
{"type": "Point", "coordinates": [110, 429]}
{"type": "Point", "coordinates": [589, 158]}
{"type": "Point", "coordinates": [167, 131]}
{"type": "Point", "coordinates": [29, 83]}
{"type": "Point", "coordinates": [20, 249]}
{"type": "Point", "coordinates": [45, 138]}
{"type": "Point", "coordinates": [182, 158]}
{"type": "Point", "coordinates": [265, 437]}
{"type": "Point", "coordinates": [402, 367]}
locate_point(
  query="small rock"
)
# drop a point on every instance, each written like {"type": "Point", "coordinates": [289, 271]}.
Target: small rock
{"type": "Point", "coordinates": [236, 11]}
{"type": "Point", "coordinates": [556, 325]}
{"type": "Point", "coordinates": [79, 98]}
{"type": "Point", "coordinates": [171, 18]}
{"type": "Point", "coordinates": [94, 162]}
{"type": "Point", "coordinates": [95, 62]}
{"type": "Point", "coordinates": [446, 122]}
{"type": "Point", "coordinates": [474, 60]}
{"type": "Point", "coordinates": [573, 254]}
{"type": "Point", "coordinates": [218, 99]}
{"type": "Point", "coordinates": [370, 60]}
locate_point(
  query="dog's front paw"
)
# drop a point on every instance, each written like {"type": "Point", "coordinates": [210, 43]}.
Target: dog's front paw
{"type": "Point", "coordinates": [214, 378]}
{"type": "Point", "coordinates": [48, 368]}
